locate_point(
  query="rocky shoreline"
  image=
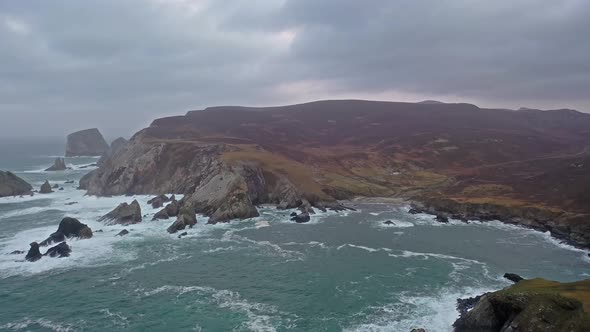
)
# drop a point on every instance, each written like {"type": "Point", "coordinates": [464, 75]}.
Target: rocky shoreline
{"type": "Point", "coordinates": [571, 229]}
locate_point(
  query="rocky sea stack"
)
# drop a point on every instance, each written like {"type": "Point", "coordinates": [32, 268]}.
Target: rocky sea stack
{"type": "Point", "coordinates": [46, 188]}
{"type": "Point", "coordinates": [89, 142]}
{"type": "Point", "coordinates": [12, 185]}
{"type": "Point", "coordinates": [58, 165]}
{"type": "Point", "coordinates": [116, 145]}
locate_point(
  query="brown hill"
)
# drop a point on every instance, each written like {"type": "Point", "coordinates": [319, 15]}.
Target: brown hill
{"type": "Point", "coordinates": [322, 151]}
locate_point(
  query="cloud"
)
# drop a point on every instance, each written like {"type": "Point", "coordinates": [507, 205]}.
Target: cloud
{"type": "Point", "coordinates": [118, 64]}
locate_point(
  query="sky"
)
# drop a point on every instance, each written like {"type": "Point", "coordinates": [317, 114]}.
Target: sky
{"type": "Point", "coordinates": [118, 64]}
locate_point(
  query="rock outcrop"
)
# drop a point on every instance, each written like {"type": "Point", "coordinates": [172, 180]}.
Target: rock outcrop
{"type": "Point", "coordinates": [124, 214]}
{"type": "Point", "coordinates": [513, 277]}
{"type": "Point", "coordinates": [58, 165]}
{"type": "Point", "coordinates": [301, 218]}
{"type": "Point", "coordinates": [46, 188]}
{"type": "Point", "coordinates": [171, 210]}
{"type": "Point", "coordinates": [186, 218]}
{"type": "Point", "coordinates": [34, 254]}
{"type": "Point", "coordinates": [116, 145]}
{"type": "Point", "coordinates": [88, 142]}
{"type": "Point", "coordinates": [60, 250]}
{"type": "Point", "coordinates": [68, 228]}
{"type": "Point", "coordinates": [158, 201]}
{"type": "Point", "coordinates": [122, 233]}
{"type": "Point", "coordinates": [530, 305]}
{"type": "Point", "coordinates": [12, 185]}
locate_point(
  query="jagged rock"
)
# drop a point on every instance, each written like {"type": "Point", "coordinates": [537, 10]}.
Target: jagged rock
{"type": "Point", "coordinates": [173, 198]}
{"type": "Point", "coordinates": [442, 219]}
{"type": "Point", "coordinates": [68, 227]}
{"type": "Point", "coordinates": [34, 254]}
{"type": "Point", "coordinates": [89, 142]}
{"type": "Point", "coordinates": [58, 165]}
{"type": "Point", "coordinates": [161, 215]}
{"type": "Point", "coordinates": [116, 145]}
{"type": "Point", "coordinates": [388, 222]}
{"type": "Point", "coordinates": [182, 234]}
{"type": "Point", "coordinates": [158, 201]}
{"type": "Point", "coordinates": [122, 233]}
{"type": "Point", "coordinates": [60, 250]}
{"type": "Point", "coordinates": [513, 277]}
{"type": "Point", "coordinates": [12, 185]}
{"type": "Point", "coordinates": [171, 210]}
{"type": "Point", "coordinates": [293, 214]}
{"type": "Point", "coordinates": [45, 188]}
{"type": "Point", "coordinates": [301, 218]}
{"type": "Point", "coordinates": [306, 207]}
{"type": "Point", "coordinates": [186, 217]}
{"type": "Point", "coordinates": [124, 214]}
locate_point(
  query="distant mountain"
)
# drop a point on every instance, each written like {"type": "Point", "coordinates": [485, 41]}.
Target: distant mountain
{"type": "Point", "coordinates": [430, 102]}
{"type": "Point", "coordinates": [454, 160]}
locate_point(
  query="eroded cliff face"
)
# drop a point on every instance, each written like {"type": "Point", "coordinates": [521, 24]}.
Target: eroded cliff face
{"type": "Point", "coordinates": [217, 188]}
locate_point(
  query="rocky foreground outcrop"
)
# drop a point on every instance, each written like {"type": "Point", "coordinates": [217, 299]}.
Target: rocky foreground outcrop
{"type": "Point", "coordinates": [12, 185]}
{"type": "Point", "coordinates": [530, 305]}
{"type": "Point", "coordinates": [88, 142]}
{"type": "Point", "coordinates": [68, 228]}
{"type": "Point", "coordinates": [58, 165]}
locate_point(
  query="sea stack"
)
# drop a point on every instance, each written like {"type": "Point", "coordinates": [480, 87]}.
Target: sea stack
{"type": "Point", "coordinates": [116, 145]}
{"type": "Point", "coordinates": [88, 142]}
{"type": "Point", "coordinates": [58, 165]}
{"type": "Point", "coordinates": [12, 185]}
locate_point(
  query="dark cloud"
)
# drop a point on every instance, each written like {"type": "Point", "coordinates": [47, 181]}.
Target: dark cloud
{"type": "Point", "coordinates": [118, 64]}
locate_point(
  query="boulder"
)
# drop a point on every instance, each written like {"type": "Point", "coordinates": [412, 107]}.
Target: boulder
{"type": "Point", "coordinates": [301, 218]}
{"type": "Point", "coordinates": [186, 217]}
{"type": "Point", "coordinates": [89, 142]}
{"type": "Point", "coordinates": [46, 188]}
{"type": "Point", "coordinates": [158, 201]}
{"type": "Point", "coordinates": [442, 219]}
{"type": "Point", "coordinates": [388, 222]}
{"type": "Point", "coordinates": [122, 233]}
{"type": "Point", "coordinates": [55, 186]}
{"type": "Point", "coordinates": [124, 214]}
{"type": "Point", "coordinates": [12, 185]}
{"type": "Point", "coordinates": [513, 277]}
{"type": "Point", "coordinates": [171, 210]}
{"type": "Point", "coordinates": [60, 250]}
{"type": "Point", "coordinates": [58, 165]}
{"type": "Point", "coordinates": [182, 234]}
{"type": "Point", "coordinates": [161, 215]}
{"type": "Point", "coordinates": [293, 214]}
{"type": "Point", "coordinates": [414, 211]}
{"type": "Point", "coordinates": [34, 254]}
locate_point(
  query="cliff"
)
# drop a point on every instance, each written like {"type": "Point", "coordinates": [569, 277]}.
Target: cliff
{"type": "Point", "coordinates": [531, 305]}
{"type": "Point", "coordinates": [227, 160]}
{"type": "Point", "coordinates": [88, 142]}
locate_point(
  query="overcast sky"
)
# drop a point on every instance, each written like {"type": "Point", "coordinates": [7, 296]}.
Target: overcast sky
{"type": "Point", "coordinates": [118, 64]}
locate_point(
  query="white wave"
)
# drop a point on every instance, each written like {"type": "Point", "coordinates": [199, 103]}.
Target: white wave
{"type": "Point", "coordinates": [268, 247]}
{"type": "Point", "coordinates": [362, 248]}
{"type": "Point", "coordinates": [117, 318]}
{"type": "Point", "coordinates": [262, 223]}
{"type": "Point", "coordinates": [27, 323]}
{"type": "Point", "coordinates": [261, 317]}
{"type": "Point", "coordinates": [435, 312]}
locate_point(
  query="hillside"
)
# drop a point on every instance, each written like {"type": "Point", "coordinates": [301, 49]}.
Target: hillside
{"type": "Point", "coordinates": [228, 159]}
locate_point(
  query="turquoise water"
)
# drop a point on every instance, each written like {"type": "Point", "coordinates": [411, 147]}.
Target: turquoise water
{"type": "Point", "coordinates": [340, 272]}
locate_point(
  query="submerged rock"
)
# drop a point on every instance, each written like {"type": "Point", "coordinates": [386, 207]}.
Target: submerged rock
{"type": "Point", "coordinates": [60, 250]}
{"type": "Point", "coordinates": [12, 185]}
{"type": "Point", "coordinates": [186, 217]}
{"type": "Point", "coordinates": [89, 142]}
{"type": "Point", "coordinates": [55, 186]}
{"type": "Point", "coordinates": [17, 252]}
{"type": "Point", "coordinates": [513, 277]}
{"type": "Point", "coordinates": [182, 234]}
{"type": "Point", "coordinates": [388, 222]}
{"type": "Point", "coordinates": [124, 214]}
{"type": "Point", "coordinates": [58, 165]}
{"type": "Point", "coordinates": [34, 254]}
{"type": "Point", "coordinates": [122, 233]}
{"type": "Point", "coordinates": [46, 188]}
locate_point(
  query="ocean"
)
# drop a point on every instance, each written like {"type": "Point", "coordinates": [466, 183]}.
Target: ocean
{"type": "Point", "coordinates": [339, 272]}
